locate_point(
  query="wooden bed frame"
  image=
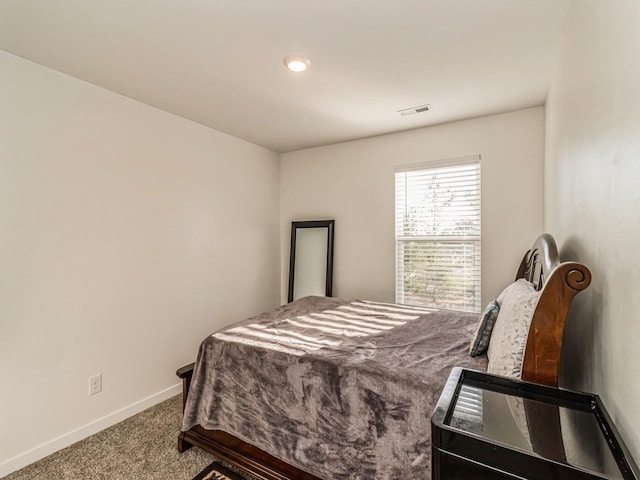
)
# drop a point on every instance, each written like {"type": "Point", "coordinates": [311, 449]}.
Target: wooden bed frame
{"type": "Point", "coordinates": [558, 283]}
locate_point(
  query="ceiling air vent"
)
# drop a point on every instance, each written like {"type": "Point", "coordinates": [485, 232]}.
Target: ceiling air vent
{"type": "Point", "coordinates": [414, 110]}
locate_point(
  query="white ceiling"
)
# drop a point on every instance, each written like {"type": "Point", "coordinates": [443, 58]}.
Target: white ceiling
{"type": "Point", "coordinates": [219, 62]}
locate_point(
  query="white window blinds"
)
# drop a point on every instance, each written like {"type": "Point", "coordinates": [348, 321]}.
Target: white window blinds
{"type": "Point", "coordinates": [438, 236]}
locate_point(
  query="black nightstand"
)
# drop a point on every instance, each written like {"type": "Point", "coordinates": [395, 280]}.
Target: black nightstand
{"type": "Point", "coordinates": [488, 427]}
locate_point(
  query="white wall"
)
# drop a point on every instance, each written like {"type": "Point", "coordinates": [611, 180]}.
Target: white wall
{"type": "Point", "coordinates": [126, 235]}
{"type": "Point", "coordinates": [592, 199]}
{"type": "Point", "coordinates": [353, 183]}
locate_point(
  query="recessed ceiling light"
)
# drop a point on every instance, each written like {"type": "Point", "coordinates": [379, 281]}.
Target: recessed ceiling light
{"type": "Point", "coordinates": [296, 64]}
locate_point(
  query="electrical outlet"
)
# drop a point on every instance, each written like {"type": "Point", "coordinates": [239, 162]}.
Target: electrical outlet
{"type": "Point", "coordinates": [95, 384]}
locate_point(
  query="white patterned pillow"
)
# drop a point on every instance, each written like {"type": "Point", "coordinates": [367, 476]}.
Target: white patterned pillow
{"type": "Point", "coordinates": [509, 338]}
{"type": "Point", "coordinates": [480, 339]}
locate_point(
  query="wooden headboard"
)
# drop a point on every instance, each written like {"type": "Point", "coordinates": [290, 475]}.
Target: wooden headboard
{"type": "Point", "coordinates": [558, 282]}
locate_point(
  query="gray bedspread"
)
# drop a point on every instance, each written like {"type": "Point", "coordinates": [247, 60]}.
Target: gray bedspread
{"type": "Point", "coordinates": [341, 389]}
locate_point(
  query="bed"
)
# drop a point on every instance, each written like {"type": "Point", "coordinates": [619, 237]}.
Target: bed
{"type": "Point", "coordinates": [324, 388]}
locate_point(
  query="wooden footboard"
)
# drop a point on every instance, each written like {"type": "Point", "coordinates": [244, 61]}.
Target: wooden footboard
{"type": "Point", "coordinates": [185, 374]}
{"type": "Point", "coordinates": [232, 450]}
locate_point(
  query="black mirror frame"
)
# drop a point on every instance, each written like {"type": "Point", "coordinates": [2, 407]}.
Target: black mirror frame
{"type": "Point", "coordinates": [329, 225]}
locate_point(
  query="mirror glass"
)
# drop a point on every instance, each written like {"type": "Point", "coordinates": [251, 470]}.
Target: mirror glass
{"type": "Point", "coordinates": [311, 260]}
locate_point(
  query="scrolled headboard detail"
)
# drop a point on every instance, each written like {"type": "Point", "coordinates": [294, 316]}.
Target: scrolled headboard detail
{"type": "Point", "coordinates": [558, 282]}
{"type": "Point", "coordinates": [578, 278]}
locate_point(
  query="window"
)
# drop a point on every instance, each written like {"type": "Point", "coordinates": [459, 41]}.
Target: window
{"type": "Point", "coordinates": [438, 235]}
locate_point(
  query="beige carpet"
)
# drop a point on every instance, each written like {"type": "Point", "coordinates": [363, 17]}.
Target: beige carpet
{"type": "Point", "coordinates": [142, 447]}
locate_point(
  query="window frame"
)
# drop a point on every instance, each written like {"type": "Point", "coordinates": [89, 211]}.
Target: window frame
{"type": "Point", "coordinates": [400, 241]}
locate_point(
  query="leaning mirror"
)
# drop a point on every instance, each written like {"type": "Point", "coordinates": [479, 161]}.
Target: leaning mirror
{"type": "Point", "coordinates": [311, 259]}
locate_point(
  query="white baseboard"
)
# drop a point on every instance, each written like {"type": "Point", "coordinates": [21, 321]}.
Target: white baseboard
{"type": "Point", "coordinates": [23, 459]}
